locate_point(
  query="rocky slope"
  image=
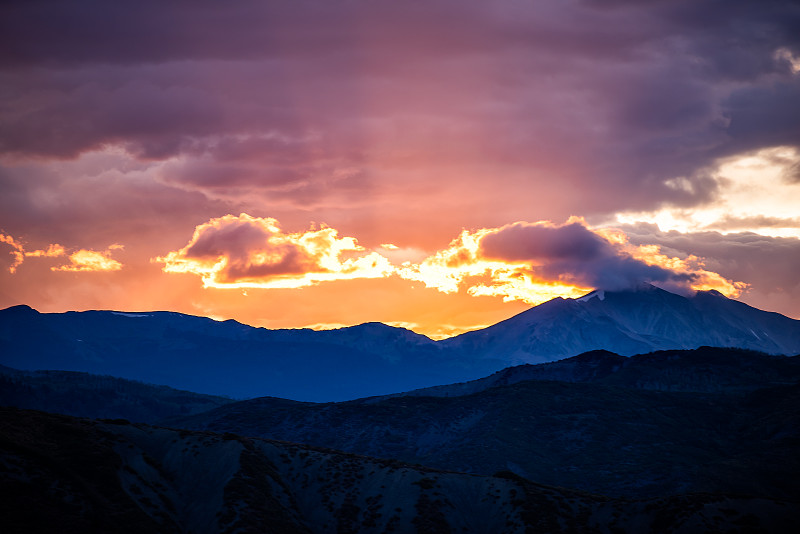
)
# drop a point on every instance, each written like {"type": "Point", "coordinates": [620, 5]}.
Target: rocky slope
{"type": "Point", "coordinates": [73, 475]}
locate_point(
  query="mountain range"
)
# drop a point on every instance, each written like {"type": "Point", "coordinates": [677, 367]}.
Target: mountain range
{"type": "Point", "coordinates": [691, 425]}
{"type": "Point", "coordinates": [231, 359]}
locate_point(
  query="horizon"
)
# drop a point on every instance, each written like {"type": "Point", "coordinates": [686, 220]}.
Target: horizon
{"type": "Point", "coordinates": [320, 328]}
{"type": "Point", "coordinates": [439, 167]}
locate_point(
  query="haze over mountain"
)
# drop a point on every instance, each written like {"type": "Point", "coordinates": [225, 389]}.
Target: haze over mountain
{"type": "Point", "coordinates": [229, 358]}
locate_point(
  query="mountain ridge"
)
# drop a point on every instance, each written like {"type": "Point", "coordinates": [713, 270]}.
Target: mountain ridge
{"type": "Point", "coordinates": [630, 322]}
{"type": "Point", "coordinates": [236, 360]}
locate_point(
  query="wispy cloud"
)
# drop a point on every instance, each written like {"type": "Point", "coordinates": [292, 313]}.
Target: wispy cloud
{"type": "Point", "coordinates": [82, 260]}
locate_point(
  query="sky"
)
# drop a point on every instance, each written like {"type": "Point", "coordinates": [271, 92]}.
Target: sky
{"type": "Point", "coordinates": [439, 165]}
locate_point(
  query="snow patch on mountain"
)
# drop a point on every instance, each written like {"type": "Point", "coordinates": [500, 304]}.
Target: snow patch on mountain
{"type": "Point", "coordinates": [599, 293]}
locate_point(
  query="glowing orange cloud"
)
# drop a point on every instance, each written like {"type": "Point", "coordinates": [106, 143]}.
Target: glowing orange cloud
{"type": "Point", "coordinates": [463, 265]}
{"type": "Point", "coordinates": [528, 262]}
{"type": "Point", "coordinates": [18, 251]}
{"type": "Point", "coordinates": [81, 261]}
{"type": "Point", "coordinates": [535, 262]}
{"type": "Point", "coordinates": [253, 252]}
{"type": "Point", "coordinates": [52, 251]}
{"type": "Point", "coordinates": [90, 260]}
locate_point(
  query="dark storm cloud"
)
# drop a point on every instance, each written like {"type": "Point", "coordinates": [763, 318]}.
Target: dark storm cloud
{"type": "Point", "coordinates": [525, 241]}
{"type": "Point", "coordinates": [573, 253]}
{"type": "Point", "coordinates": [765, 116]}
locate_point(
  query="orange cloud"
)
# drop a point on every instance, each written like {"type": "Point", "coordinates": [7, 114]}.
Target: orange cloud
{"type": "Point", "coordinates": [52, 251]}
{"type": "Point", "coordinates": [253, 252]}
{"type": "Point", "coordinates": [90, 260]}
{"type": "Point", "coordinates": [81, 261]}
{"type": "Point", "coordinates": [534, 262]}
{"type": "Point", "coordinates": [18, 251]}
{"type": "Point", "coordinates": [465, 265]}
{"type": "Point", "coordinates": [528, 262]}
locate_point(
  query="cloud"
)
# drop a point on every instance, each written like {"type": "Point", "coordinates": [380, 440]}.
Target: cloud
{"type": "Point", "coordinates": [90, 261]}
{"type": "Point", "coordinates": [52, 251]}
{"type": "Point", "coordinates": [253, 252]}
{"type": "Point", "coordinates": [82, 260]}
{"type": "Point", "coordinates": [616, 99]}
{"type": "Point", "coordinates": [755, 193]}
{"type": "Point", "coordinates": [767, 263]}
{"type": "Point", "coordinates": [397, 122]}
{"type": "Point", "coordinates": [533, 262]}
{"type": "Point", "coordinates": [17, 251]}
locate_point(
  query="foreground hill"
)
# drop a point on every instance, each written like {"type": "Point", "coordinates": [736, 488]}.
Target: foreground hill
{"type": "Point", "coordinates": [236, 360]}
{"type": "Point", "coordinates": [61, 474]}
{"type": "Point", "coordinates": [709, 420]}
{"type": "Point", "coordinates": [87, 395]}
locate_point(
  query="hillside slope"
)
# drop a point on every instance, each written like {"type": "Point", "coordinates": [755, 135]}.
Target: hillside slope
{"type": "Point", "coordinates": [659, 426]}
{"type": "Point", "coordinates": [72, 475]}
{"type": "Point", "coordinates": [87, 395]}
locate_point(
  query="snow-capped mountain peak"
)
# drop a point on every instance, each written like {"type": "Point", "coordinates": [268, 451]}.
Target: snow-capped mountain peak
{"type": "Point", "coordinates": [631, 321]}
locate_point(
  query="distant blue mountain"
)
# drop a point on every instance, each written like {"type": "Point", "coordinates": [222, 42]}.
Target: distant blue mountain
{"type": "Point", "coordinates": [229, 358]}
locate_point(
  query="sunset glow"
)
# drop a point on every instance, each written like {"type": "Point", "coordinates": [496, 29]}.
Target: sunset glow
{"type": "Point", "coordinates": [441, 165]}
{"type": "Point", "coordinates": [569, 260]}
